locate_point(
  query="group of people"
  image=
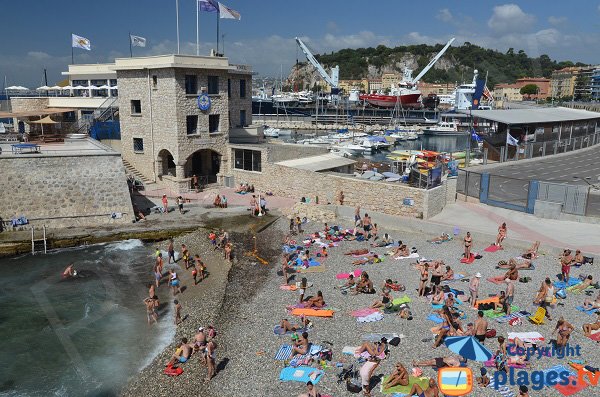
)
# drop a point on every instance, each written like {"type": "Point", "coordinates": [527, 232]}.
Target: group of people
{"type": "Point", "coordinates": [220, 201]}
{"type": "Point", "coordinates": [204, 345]}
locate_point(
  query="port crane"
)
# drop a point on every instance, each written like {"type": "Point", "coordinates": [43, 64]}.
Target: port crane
{"type": "Point", "coordinates": [333, 79]}
{"type": "Point", "coordinates": [408, 73]}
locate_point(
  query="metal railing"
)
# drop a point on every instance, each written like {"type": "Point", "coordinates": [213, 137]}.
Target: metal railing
{"type": "Point", "coordinates": [531, 150]}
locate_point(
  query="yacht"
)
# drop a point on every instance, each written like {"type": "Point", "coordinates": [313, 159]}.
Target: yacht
{"type": "Point", "coordinates": [444, 128]}
{"type": "Point", "coordinates": [271, 132]}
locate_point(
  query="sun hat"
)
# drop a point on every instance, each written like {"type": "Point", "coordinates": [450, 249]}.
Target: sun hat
{"type": "Point", "coordinates": [478, 275]}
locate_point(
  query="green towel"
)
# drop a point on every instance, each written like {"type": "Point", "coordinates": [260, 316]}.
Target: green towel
{"type": "Point", "coordinates": [423, 382]}
{"type": "Point", "coordinates": [495, 314]}
{"type": "Point", "coordinates": [399, 301]}
{"type": "Point", "coordinates": [572, 288]}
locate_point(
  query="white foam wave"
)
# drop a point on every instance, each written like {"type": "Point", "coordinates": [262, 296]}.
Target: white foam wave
{"type": "Point", "coordinates": [166, 331]}
{"type": "Point", "coordinates": [125, 245]}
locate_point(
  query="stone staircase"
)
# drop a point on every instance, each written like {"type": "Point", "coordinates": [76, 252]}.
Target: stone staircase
{"type": "Point", "coordinates": [130, 169]}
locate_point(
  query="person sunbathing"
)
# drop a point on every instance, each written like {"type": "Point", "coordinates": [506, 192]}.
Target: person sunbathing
{"type": "Point", "coordinates": [393, 285]}
{"type": "Point", "coordinates": [441, 239]}
{"type": "Point", "coordinates": [440, 362]}
{"type": "Point", "coordinates": [363, 251]}
{"type": "Point", "coordinates": [580, 259]}
{"type": "Point", "coordinates": [243, 188]}
{"type": "Point", "coordinates": [532, 252]}
{"type": "Point", "coordinates": [348, 285]}
{"type": "Point", "coordinates": [386, 300]}
{"type": "Point", "coordinates": [398, 377]}
{"type": "Point", "coordinates": [525, 264]}
{"type": "Point", "coordinates": [432, 390]}
{"type": "Point", "coordinates": [370, 259]}
{"type": "Point", "coordinates": [438, 296]}
{"type": "Point", "coordinates": [301, 346]}
{"type": "Point", "coordinates": [449, 275]}
{"type": "Point", "coordinates": [583, 285]}
{"type": "Point", "coordinates": [365, 285]}
{"type": "Point", "coordinates": [316, 301]}
{"type": "Point", "coordinates": [484, 379]}
{"type": "Point", "coordinates": [286, 326]}
{"type": "Point", "coordinates": [511, 274]}
{"type": "Point", "coordinates": [311, 391]}
{"type": "Point", "coordinates": [592, 304]}
{"type": "Point", "coordinates": [217, 201]}
{"type": "Point", "coordinates": [182, 354]}
{"type": "Point", "coordinates": [377, 349]}
{"type": "Point", "coordinates": [401, 251]}
{"type": "Point", "coordinates": [563, 329]}
{"type": "Point", "coordinates": [387, 240]}
{"type": "Point", "coordinates": [589, 327]}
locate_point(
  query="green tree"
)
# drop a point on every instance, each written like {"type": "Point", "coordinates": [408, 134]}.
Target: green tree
{"type": "Point", "coordinates": [529, 90]}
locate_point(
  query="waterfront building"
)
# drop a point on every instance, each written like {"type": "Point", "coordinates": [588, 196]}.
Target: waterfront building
{"type": "Point", "coordinates": [347, 85]}
{"type": "Point", "coordinates": [562, 83]}
{"type": "Point", "coordinates": [389, 80]}
{"type": "Point", "coordinates": [595, 84]}
{"type": "Point", "coordinates": [436, 88]}
{"type": "Point", "coordinates": [512, 92]}
{"type": "Point", "coordinates": [375, 85]}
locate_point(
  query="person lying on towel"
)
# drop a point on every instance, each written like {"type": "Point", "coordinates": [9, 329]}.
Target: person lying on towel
{"type": "Point", "coordinates": [585, 284]}
{"type": "Point", "coordinates": [589, 304]}
{"type": "Point", "coordinates": [525, 264]}
{"type": "Point", "coordinates": [378, 349]}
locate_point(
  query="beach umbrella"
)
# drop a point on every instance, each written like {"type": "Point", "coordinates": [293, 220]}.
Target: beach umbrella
{"type": "Point", "coordinates": [468, 347]}
{"type": "Point", "coordinates": [17, 88]}
{"type": "Point", "coordinates": [55, 88]}
{"type": "Point", "coordinates": [376, 176]}
{"type": "Point", "coordinates": [43, 88]}
{"type": "Point", "coordinates": [67, 87]}
{"type": "Point", "coordinates": [367, 174]}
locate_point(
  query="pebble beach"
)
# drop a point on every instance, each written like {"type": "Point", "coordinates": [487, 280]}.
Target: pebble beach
{"type": "Point", "coordinates": [245, 306]}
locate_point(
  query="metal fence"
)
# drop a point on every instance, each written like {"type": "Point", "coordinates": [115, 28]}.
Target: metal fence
{"type": "Point", "coordinates": [572, 197]}
{"type": "Point", "coordinates": [542, 149]}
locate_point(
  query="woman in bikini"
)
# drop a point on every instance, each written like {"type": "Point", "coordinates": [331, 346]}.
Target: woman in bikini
{"type": "Point", "coordinates": [386, 299]}
{"type": "Point", "coordinates": [511, 274]}
{"type": "Point", "coordinates": [532, 252]}
{"type": "Point", "coordinates": [399, 377]}
{"type": "Point", "coordinates": [525, 264]}
{"type": "Point", "coordinates": [438, 296]}
{"type": "Point", "coordinates": [468, 242]}
{"type": "Point", "coordinates": [501, 234]}
{"type": "Point", "coordinates": [424, 278]}
{"type": "Point", "coordinates": [316, 301]}
{"type": "Point", "coordinates": [563, 329]}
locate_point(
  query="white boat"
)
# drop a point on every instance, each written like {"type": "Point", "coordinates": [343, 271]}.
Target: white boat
{"type": "Point", "coordinates": [368, 145]}
{"type": "Point", "coordinates": [315, 141]}
{"type": "Point", "coordinates": [349, 148]}
{"type": "Point", "coordinates": [285, 132]}
{"type": "Point", "coordinates": [271, 132]}
{"type": "Point", "coordinates": [412, 135]}
{"type": "Point", "coordinates": [444, 128]}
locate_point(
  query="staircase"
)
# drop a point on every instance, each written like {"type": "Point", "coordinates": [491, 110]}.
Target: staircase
{"type": "Point", "coordinates": [130, 170]}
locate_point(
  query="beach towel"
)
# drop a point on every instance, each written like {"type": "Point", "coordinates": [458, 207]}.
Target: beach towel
{"type": "Point", "coordinates": [574, 386]}
{"type": "Point", "coordinates": [422, 381]}
{"type": "Point", "coordinates": [312, 312]}
{"type": "Point", "coordinates": [493, 248]}
{"type": "Point", "coordinates": [311, 269]}
{"type": "Point", "coordinates": [363, 312]}
{"type": "Point", "coordinates": [401, 300]}
{"type": "Point", "coordinates": [532, 336]}
{"type": "Point", "coordinates": [288, 287]}
{"type": "Point", "coordinates": [494, 299]}
{"type": "Point", "coordinates": [344, 276]}
{"type": "Point", "coordinates": [503, 390]}
{"type": "Point", "coordinates": [285, 352]}
{"type": "Point", "coordinates": [595, 336]}
{"type": "Point", "coordinates": [301, 374]}
{"type": "Point", "coordinates": [573, 290]}
{"type": "Point", "coordinates": [441, 305]}
{"type": "Point", "coordinates": [572, 281]}
{"type": "Point", "coordinates": [435, 318]}
{"type": "Point", "coordinates": [469, 260]}
{"type": "Point", "coordinates": [492, 313]}
{"type": "Point", "coordinates": [558, 369]}
{"type": "Point", "coordinates": [507, 318]}
{"type": "Point", "coordinates": [587, 311]}
{"type": "Point", "coordinates": [377, 337]}
{"type": "Point", "coordinates": [370, 318]}
{"type": "Point", "coordinates": [411, 256]}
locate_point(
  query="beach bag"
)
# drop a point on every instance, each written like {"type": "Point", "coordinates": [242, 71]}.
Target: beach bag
{"type": "Point", "coordinates": [502, 263]}
{"type": "Point", "coordinates": [395, 341]}
{"type": "Point", "coordinates": [490, 333]}
{"type": "Point", "coordinates": [561, 293]}
{"type": "Point", "coordinates": [353, 385]}
{"type": "Point", "coordinates": [515, 321]}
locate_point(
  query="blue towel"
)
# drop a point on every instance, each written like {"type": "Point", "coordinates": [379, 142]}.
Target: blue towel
{"type": "Point", "coordinates": [313, 262]}
{"type": "Point", "coordinates": [558, 369]}
{"type": "Point", "coordinates": [503, 390]}
{"type": "Point", "coordinates": [435, 318]}
{"type": "Point", "coordinates": [572, 282]}
{"type": "Point", "coordinates": [301, 374]}
{"type": "Point", "coordinates": [284, 353]}
{"type": "Point", "coordinates": [588, 311]}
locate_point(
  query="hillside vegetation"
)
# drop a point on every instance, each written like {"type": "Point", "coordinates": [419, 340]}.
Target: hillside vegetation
{"type": "Point", "coordinates": [456, 65]}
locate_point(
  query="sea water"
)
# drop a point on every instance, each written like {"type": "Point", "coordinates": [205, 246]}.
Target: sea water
{"type": "Point", "coordinates": [81, 337]}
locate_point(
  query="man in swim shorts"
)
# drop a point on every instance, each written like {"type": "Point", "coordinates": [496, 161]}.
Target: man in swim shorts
{"type": "Point", "coordinates": [480, 327]}
{"type": "Point", "coordinates": [432, 390]}
{"type": "Point", "coordinates": [182, 354]}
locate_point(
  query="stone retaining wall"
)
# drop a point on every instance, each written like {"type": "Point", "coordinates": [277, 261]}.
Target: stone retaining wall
{"type": "Point", "coordinates": [64, 191]}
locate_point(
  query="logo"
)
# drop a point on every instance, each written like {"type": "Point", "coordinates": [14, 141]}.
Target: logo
{"type": "Point", "coordinates": [593, 377]}
{"type": "Point", "coordinates": [203, 102]}
{"type": "Point", "coordinates": [455, 381]}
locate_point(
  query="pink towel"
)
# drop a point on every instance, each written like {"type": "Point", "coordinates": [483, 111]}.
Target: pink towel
{"type": "Point", "coordinates": [363, 312]}
{"type": "Point", "coordinates": [343, 276]}
{"type": "Point", "coordinates": [492, 248]}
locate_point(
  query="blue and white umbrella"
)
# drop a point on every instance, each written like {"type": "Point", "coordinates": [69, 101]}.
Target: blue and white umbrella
{"type": "Point", "coordinates": [468, 347]}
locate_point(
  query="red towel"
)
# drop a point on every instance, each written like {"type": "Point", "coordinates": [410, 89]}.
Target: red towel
{"type": "Point", "coordinates": [492, 248]}
{"type": "Point", "coordinates": [468, 261]}
{"type": "Point", "coordinates": [567, 390]}
{"type": "Point", "coordinates": [595, 337]}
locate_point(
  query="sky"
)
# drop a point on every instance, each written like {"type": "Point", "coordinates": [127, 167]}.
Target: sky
{"type": "Point", "coordinates": [36, 34]}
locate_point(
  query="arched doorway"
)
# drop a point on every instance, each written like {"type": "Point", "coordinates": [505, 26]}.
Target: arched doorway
{"type": "Point", "coordinates": [166, 163]}
{"type": "Point", "coordinates": [205, 163]}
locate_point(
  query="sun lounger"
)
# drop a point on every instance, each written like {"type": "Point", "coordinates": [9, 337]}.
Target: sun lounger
{"type": "Point", "coordinates": [538, 317]}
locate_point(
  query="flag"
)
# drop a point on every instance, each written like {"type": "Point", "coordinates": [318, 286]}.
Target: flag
{"type": "Point", "coordinates": [80, 42]}
{"type": "Point", "coordinates": [229, 13]}
{"type": "Point", "coordinates": [208, 5]}
{"type": "Point", "coordinates": [138, 41]}
{"type": "Point", "coordinates": [475, 137]}
{"type": "Point", "coordinates": [511, 140]}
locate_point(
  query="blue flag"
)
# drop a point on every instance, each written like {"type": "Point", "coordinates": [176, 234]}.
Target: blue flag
{"type": "Point", "coordinates": [475, 137]}
{"type": "Point", "coordinates": [208, 5]}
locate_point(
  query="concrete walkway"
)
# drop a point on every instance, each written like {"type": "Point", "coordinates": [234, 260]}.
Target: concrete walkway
{"type": "Point", "coordinates": [486, 219]}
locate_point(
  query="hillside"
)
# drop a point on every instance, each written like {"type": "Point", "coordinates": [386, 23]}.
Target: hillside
{"type": "Point", "coordinates": [456, 65]}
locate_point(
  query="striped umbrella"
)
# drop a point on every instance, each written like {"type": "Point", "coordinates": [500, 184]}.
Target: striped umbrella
{"type": "Point", "coordinates": [468, 347]}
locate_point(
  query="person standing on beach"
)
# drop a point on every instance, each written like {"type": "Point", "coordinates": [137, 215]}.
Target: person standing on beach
{"type": "Point", "coordinates": [171, 251]}
{"type": "Point", "coordinates": [480, 327]}
{"type": "Point", "coordinates": [340, 197]}
{"type": "Point", "coordinates": [211, 359]}
{"type": "Point", "coordinates": [165, 204]}
{"type": "Point", "coordinates": [195, 183]}
{"type": "Point", "coordinates": [474, 289]}
{"type": "Point", "coordinates": [253, 206]}
{"type": "Point", "coordinates": [510, 294]}
{"type": "Point", "coordinates": [468, 242]}
{"type": "Point", "coordinates": [177, 312]}
{"type": "Point", "coordinates": [357, 213]}
{"type": "Point", "coordinates": [174, 281]}
{"type": "Point", "coordinates": [501, 234]}
{"type": "Point", "coordinates": [180, 204]}
{"type": "Point", "coordinates": [151, 310]}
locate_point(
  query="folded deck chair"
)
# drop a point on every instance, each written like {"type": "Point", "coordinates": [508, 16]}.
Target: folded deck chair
{"type": "Point", "coordinates": [538, 317]}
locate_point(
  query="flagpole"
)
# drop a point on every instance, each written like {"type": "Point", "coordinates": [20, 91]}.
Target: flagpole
{"type": "Point", "coordinates": [130, 48]}
{"type": "Point", "coordinates": [177, 17]}
{"type": "Point", "coordinates": [72, 56]}
{"type": "Point", "coordinates": [197, 28]}
{"type": "Point", "coordinates": [218, 15]}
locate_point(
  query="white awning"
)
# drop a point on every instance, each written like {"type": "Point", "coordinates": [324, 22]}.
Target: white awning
{"type": "Point", "coordinates": [536, 115]}
{"type": "Point", "coordinates": [318, 163]}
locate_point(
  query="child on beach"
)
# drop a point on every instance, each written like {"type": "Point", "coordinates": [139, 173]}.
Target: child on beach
{"type": "Point", "coordinates": [212, 236]}
{"type": "Point", "coordinates": [177, 312]}
{"type": "Point", "coordinates": [174, 281]}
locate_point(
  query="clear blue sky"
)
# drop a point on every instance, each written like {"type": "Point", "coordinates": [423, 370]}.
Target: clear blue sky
{"type": "Point", "coordinates": [36, 34]}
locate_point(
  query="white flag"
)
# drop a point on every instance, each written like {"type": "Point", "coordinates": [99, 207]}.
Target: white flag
{"type": "Point", "coordinates": [511, 140]}
{"type": "Point", "coordinates": [80, 42]}
{"type": "Point", "coordinates": [138, 41]}
{"type": "Point", "coordinates": [229, 13]}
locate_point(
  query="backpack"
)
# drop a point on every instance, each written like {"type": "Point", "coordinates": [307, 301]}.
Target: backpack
{"type": "Point", "coordinates": [395, 341]}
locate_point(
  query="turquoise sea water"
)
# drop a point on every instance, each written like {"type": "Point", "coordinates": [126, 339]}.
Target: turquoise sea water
{"type": "Point", "coordinates": [82, 337]}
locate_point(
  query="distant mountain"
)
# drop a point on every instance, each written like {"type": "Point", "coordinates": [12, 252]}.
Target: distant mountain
{"type": "Point", "coordinates": [456, 65]}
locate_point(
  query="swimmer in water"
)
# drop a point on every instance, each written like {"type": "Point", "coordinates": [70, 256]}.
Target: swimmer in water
{"type": "Point", "coordinates": [69, 272]}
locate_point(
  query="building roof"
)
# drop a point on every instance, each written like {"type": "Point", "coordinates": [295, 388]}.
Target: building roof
{"type": "Point", "coordinates": [535, 115]}
{"type": "Point", "coordinates": [179, 61]}
{"type": "Point", "coordinates": [317, 163]}
{"type": "Point", "coordinates": [35, 113]}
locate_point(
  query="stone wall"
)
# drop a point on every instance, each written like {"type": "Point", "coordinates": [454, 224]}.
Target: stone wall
{"type": "Point", "coordinates": [64, 191]}
{"type": "Point", "coordinates": [290, 151]}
